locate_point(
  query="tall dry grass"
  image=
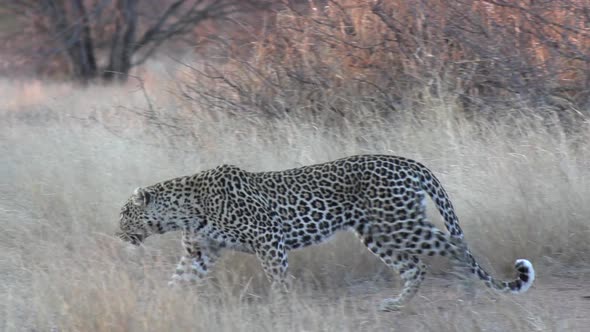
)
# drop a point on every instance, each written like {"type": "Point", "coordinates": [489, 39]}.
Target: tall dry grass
{"type": "Point", "coordinates": [70, 157]}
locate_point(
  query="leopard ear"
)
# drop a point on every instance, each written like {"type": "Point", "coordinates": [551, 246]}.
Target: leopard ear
{"type": "Point", "coordinates": [141, 197]}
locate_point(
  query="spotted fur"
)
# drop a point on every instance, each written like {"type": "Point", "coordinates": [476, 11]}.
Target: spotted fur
{"type": "Point", "coordinates": [381, 198]}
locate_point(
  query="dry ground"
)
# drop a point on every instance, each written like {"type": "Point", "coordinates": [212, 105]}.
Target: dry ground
{"type": "Point", "coordinates": [70, 157]}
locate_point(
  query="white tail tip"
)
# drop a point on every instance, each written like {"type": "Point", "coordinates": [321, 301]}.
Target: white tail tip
{"type": "Point", "coordinates": [526, 274]}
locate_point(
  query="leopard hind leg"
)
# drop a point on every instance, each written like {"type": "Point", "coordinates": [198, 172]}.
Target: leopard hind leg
{"type": "Point", "coordinates": [409, 266]}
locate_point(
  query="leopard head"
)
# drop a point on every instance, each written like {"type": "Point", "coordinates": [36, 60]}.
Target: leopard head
{"type": "Point", "coordinates": [136, 218]}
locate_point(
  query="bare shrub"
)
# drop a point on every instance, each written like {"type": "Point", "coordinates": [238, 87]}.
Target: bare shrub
{"type": "Point", "coordinates": [385, 54]}
{"type": "Point", "coordinates": [90, 39]}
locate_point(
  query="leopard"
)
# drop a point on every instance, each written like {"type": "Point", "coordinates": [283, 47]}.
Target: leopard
{"type": "Point", "coordinates": [381, 198]}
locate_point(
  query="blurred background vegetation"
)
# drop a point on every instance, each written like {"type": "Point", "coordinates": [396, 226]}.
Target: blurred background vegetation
{"type": "Point", "coordinates": [274, 56]}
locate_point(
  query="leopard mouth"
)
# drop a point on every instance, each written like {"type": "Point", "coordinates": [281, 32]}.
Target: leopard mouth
{"type": "Point", "coordinates": [134, 239]}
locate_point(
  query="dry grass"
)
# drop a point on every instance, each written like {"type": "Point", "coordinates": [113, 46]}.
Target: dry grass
{"type": "Point", "coordinates": [71, 156]}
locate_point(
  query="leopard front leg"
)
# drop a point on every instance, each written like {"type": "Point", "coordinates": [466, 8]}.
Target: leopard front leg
{"type": "Point", "coordinates": [273, 256]}
{"type": "Point", "coordinates": [198, 259]}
